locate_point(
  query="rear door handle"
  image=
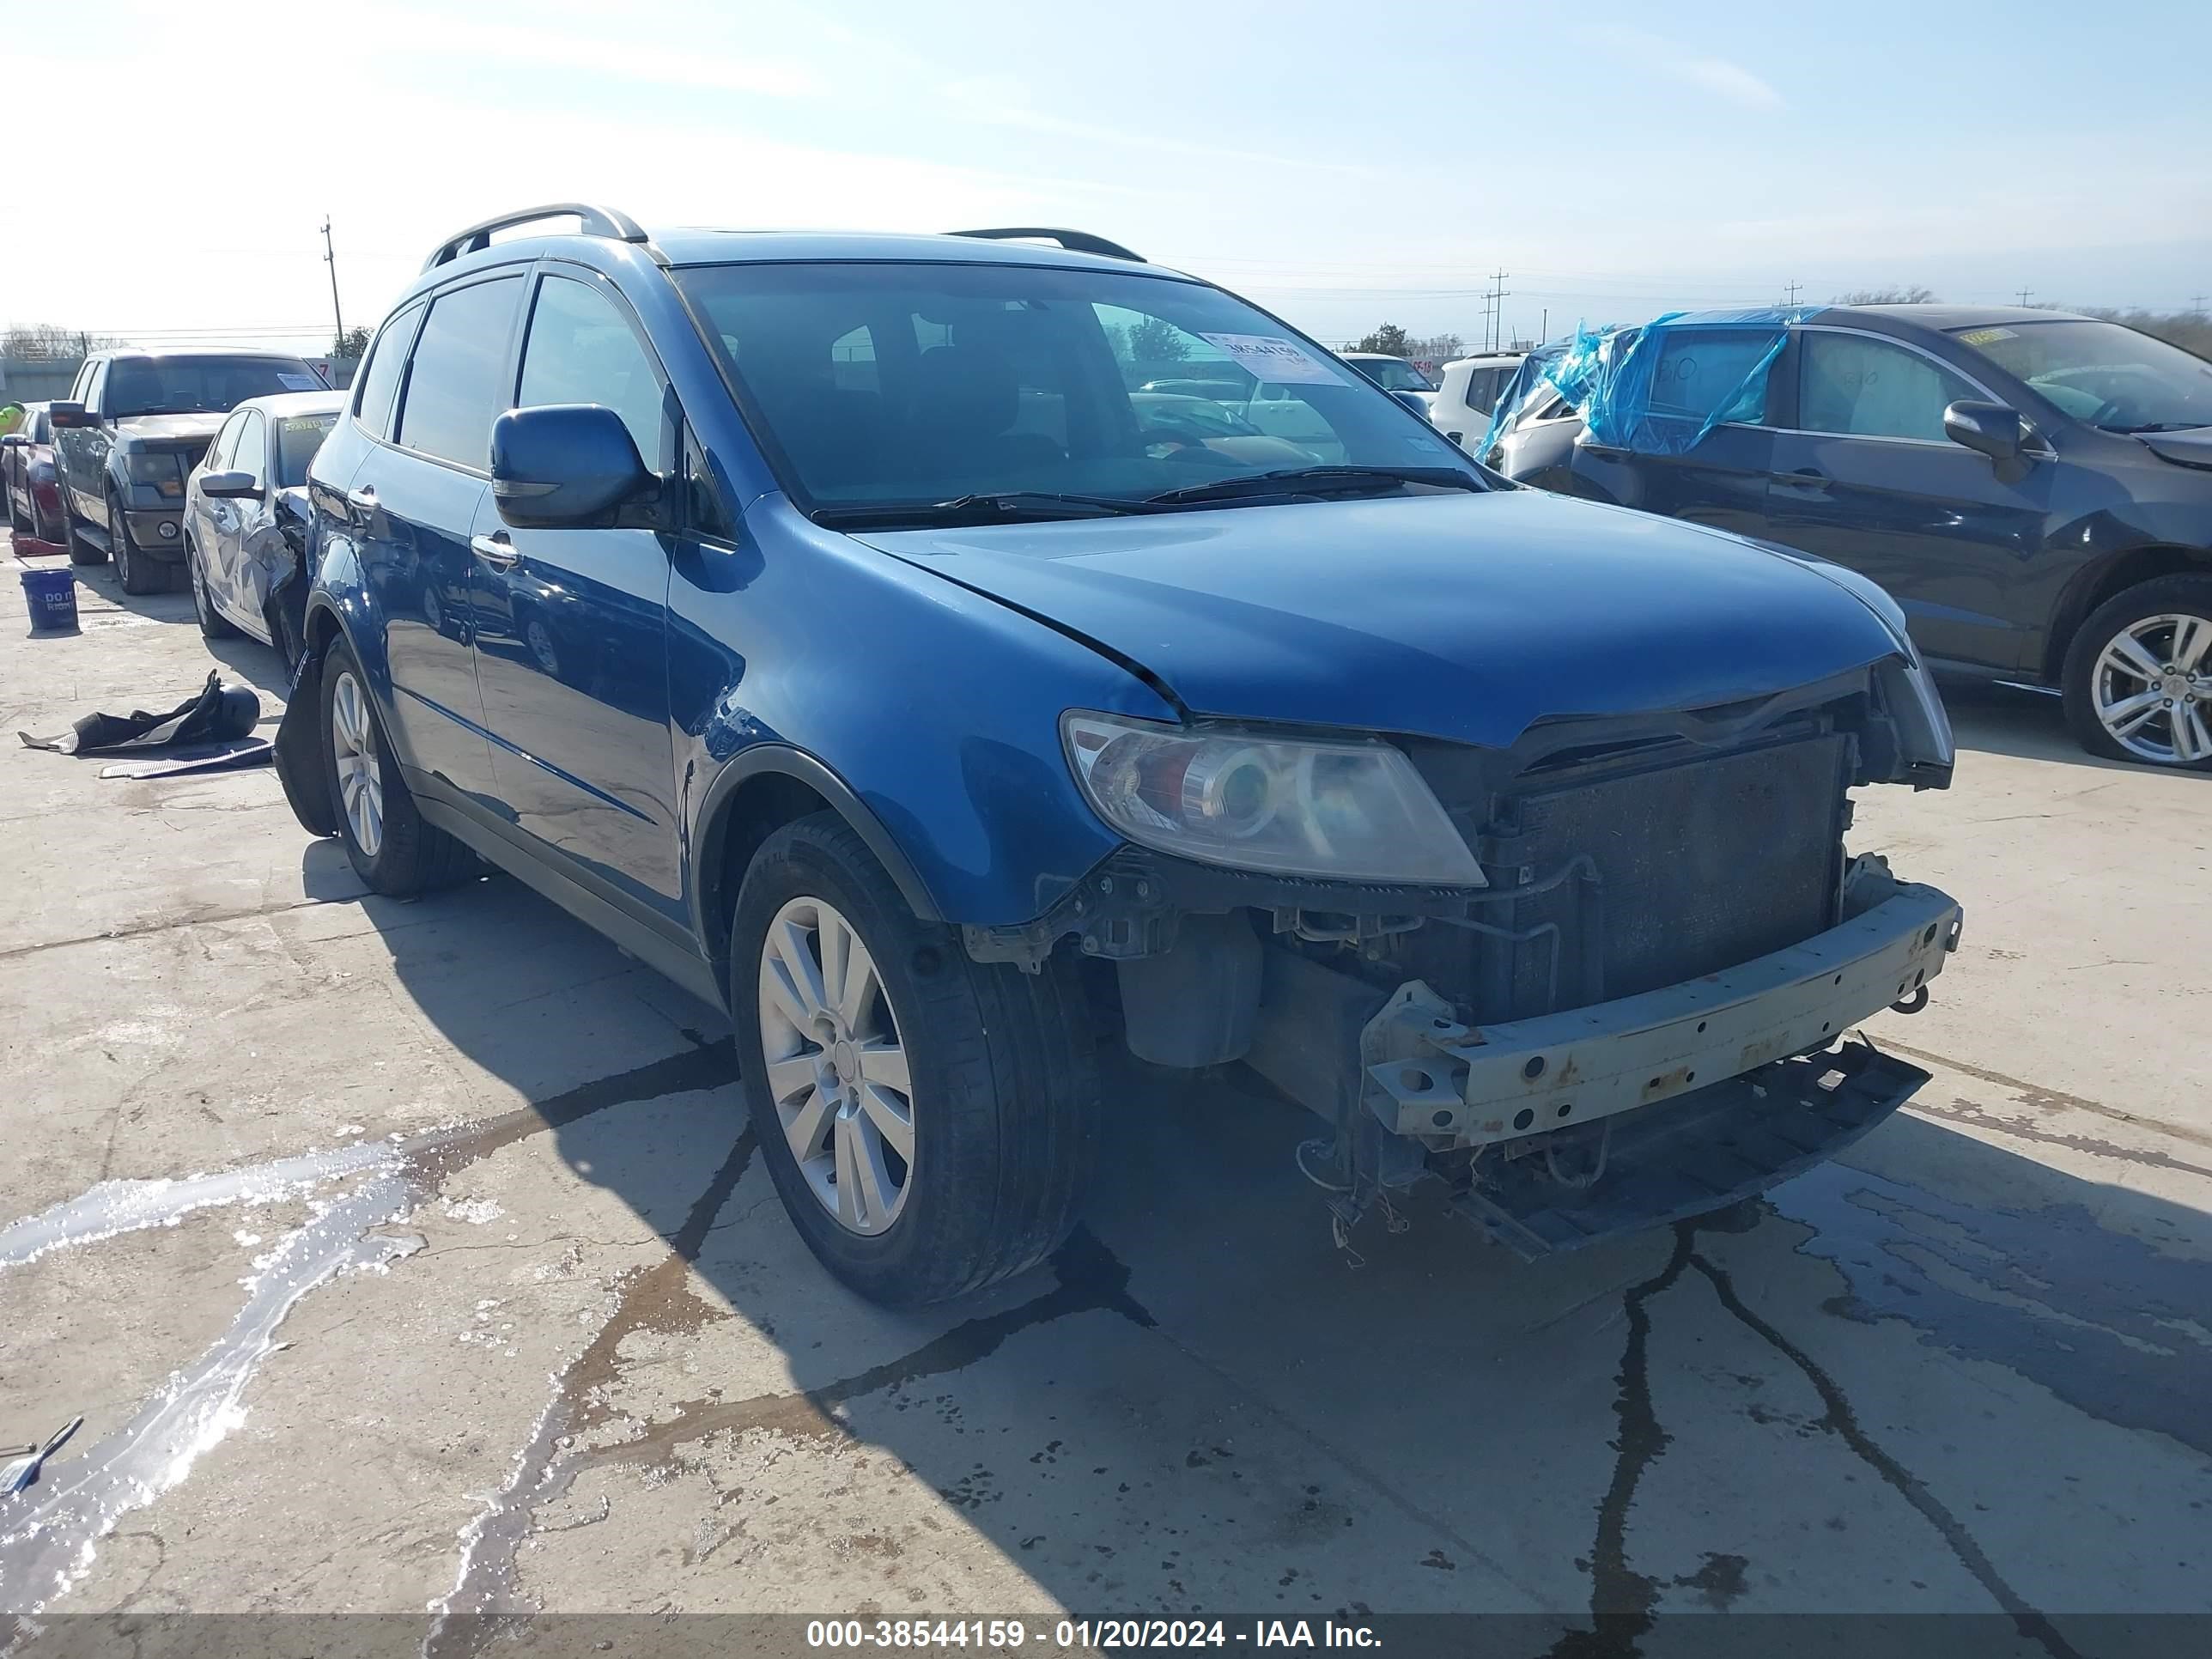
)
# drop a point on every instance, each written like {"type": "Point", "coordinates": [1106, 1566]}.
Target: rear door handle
{"type": "Point", "coordinates": [497, 552]}
{"type": "Point", "coordinates": [1805, 477]}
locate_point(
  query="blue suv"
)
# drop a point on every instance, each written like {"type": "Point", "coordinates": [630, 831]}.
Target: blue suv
{"type": "Point", "coordinates": [833, 622]}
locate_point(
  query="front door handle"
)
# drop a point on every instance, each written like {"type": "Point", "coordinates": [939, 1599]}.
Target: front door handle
{"type": "Point", "coordinates": [362, 500]}
{"type": "Point", "coordinates": [496, 550]}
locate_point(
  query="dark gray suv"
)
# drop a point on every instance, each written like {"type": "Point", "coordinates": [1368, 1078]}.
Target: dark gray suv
{"type": "Point", "coordinates": [135, 423]}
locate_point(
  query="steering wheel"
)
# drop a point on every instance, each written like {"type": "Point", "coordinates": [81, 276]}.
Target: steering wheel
{"type": "Point", "coordinates": [1177, 429]}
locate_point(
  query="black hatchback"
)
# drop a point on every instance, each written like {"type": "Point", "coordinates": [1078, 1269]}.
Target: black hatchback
{"type": "Point", "coordinates": [2035, 489]}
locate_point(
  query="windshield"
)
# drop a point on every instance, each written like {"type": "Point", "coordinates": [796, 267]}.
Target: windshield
{"type": "Point", "coordinates": [2102, 373]}
{"type": "Point", "coordinates": [921, 384]}
{"type": "Point", "coordinates": [1393, 374]}
{"type": "Point", "coordinates": [186, 386]}
{"type": "Point", "coordinates": [297, 437]}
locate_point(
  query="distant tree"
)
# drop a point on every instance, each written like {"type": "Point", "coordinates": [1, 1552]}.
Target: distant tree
{"type": "Point", "coordinates": [1155, 340]}
{"type": "Point", "coordinates": [1914, 295]}
{"type": "Point", "coordinates": [2190, 330]}
{"type": "Point", "coordinates": [1389, 339]}
{"type": "Point", "coordinates": [353, 344]}
{"type": "Point", "coordinates": [1436, 349]}
{"type": "Point", "coordinates": [46, 341]}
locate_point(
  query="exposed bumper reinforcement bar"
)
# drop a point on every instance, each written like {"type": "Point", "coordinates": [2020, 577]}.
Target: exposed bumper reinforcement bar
{"type": "Point", "coordinates": [1696, 1154]}
{"type": "Point", "coordinates": [1431, 1077]}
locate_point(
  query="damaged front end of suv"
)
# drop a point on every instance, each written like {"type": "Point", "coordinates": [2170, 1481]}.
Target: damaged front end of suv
{"type": "Point", "coordinates": [1594, 981]}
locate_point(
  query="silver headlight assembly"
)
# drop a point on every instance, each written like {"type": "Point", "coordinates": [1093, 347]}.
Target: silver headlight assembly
{"type": "Point", "coordinates": [1341, 810]}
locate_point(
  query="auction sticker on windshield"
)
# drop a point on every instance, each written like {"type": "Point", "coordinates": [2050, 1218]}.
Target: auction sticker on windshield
{"type": "Point", "coordinates": [1274, 358]}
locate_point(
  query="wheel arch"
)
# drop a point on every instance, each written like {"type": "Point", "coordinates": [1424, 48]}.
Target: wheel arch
{"type": "Point", "coordinates": [757, 794]}
{"type": "Point", "coordinates": [2095, 584]}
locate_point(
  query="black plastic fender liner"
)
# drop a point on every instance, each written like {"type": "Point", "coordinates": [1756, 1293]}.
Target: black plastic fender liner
{"type": "Point", "coordinates": [299, 753]}
{"type": "Point", "coordinates": [1697, 1153]}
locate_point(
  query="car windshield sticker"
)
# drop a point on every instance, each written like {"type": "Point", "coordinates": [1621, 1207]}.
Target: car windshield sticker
{"type": "Point", "coordinates": [298, 382]}
{"type": "Point", "coordinates": [311, 423]}
{"type": "Point", "coordinates": [1273, 359]}
{"type": "Point", "coordinates": [1982, 337]}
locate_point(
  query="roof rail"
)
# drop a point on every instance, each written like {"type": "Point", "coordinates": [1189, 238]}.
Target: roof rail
{"type": "Point", "coordinates": [1075, 241]}
{"type": "Point", "coordinates": [597, 221]}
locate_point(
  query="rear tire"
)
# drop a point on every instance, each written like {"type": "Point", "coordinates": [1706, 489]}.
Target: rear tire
{"type": "Point", "coordinates": [1001, 1095]}
{"type": "Point", "coordinates": [136, 571]}
{"type": "Point", "coordinates": [391, 848]}
{"type": "Point", "coordinates": [2120, 703]}
{"type": "Point", "coordinates": [213, 624]}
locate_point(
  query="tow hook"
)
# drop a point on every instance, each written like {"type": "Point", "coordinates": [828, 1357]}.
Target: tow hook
{"type": "Point", "coordinates": [1912, 1005]}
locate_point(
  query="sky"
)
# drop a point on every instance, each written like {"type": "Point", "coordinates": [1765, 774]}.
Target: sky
{"type": "Point", "coordinates": [1341, 165]}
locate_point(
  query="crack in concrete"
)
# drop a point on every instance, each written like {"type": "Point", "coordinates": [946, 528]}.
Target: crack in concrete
{"type": "Point", "coordinates": [140, 930]}
{"type": "Point", "coordinates": [2032, 1094]}
{"type": "Point", "coordinates": [1623, 1602]}
{"type": "Point", "coordinates": [1965, 1111]}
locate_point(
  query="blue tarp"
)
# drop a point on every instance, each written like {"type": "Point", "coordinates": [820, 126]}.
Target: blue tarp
{"type": "Point", "coordinates": [1656, 388]}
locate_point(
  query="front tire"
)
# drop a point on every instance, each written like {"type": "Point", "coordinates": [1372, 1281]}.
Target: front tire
{"type": "Point", "coordinates": [929, 1121]}
{"type": "Point", "coordinates": [214, 624]}
{"type": "Point", "coordinates": [2138, 678]}
{"type": "Point", "coordinates": [136, 571]}
{"type": "Point", "coordinates": [390, 846]}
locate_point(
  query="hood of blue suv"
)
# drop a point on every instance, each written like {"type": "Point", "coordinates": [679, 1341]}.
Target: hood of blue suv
{"type": "Point", "coordinates": [1465, 618]}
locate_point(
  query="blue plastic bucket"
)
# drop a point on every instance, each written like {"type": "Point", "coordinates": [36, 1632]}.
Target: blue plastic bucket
{"type": "Point", "coordinates": [52, 595]}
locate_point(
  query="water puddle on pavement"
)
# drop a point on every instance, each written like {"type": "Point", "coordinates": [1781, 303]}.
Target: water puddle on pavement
{"type": "Point", "coordinates": [2111, 1324]}
{"type": "Point", "coordinates": [49, 1533]}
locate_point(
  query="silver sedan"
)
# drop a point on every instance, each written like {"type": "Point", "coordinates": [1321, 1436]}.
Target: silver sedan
{"type": "Point", "coordinates": [245, 510]}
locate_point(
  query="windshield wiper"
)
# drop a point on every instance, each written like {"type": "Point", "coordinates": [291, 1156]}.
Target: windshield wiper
{"type": "Point", "coordinates": [2160, 426]}
{"type": "Point", "coordinates": [1001, 506]}
{"type": "Point", "coordinates": [1306, 479]}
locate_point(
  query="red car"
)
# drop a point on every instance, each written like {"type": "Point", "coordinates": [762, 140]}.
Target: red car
{"type": "Point", "coordinates": [26, 477]}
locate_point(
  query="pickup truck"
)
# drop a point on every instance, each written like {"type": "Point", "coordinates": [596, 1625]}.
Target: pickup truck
{"type": "Point", "coordinates": [134, 425]}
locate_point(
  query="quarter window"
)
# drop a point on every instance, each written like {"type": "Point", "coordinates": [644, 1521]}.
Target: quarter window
{"type": "Point", "coordinates": [1871, 389]}
{"type": "Point", "coordinates": [458, 384]}
{"type": "Point", "coordinates": [385, 363]}
{"type": "Point", "coordinates": [582, 350]}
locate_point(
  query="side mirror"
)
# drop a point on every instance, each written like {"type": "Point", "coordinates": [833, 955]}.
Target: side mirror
{"type": "Point", "coordinates": [69, 415]}
{"type": "Point", "coordinates": [14, 441]}
{"type": "Point", "coordinates": [229, 483]}
{"type": "Point", "coordinates": [564, 464]}
{"type": "Point", "coordinates": [1414, 401]}
{"type": "Point", "coordinates": [1990, 430]}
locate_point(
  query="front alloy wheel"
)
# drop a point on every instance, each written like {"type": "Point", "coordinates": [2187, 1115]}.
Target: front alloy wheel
{"type": "Point", "coordinates": [353, 756]}
{"type": "Point", "coordinates": [2153, 688]}
{"type": "Point", "coordinates": [837, 1067]}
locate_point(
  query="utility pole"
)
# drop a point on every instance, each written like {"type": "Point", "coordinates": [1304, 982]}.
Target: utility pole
{"type": "Point", "coordinates": [1496, 307]}
{"type": "Point", "coordinates": [331, 258]}
{"type": "Point", "coordinates": [2196, 304]}
{"type": "Point", "coordinates": [1790, 295]}
{"type": "Point", "coordinates": [2024, 293]}
{"type": "Point", "coordinates": [1544, 328]}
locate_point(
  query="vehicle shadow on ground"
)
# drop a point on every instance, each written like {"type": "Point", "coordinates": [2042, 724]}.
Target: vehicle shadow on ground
{"type": "Point", "coordinates": [173, 605]}
{"type": "Point", "coordinates": [2026, 725]}
{"type": "Point", "coordinates": [1202, 1404]}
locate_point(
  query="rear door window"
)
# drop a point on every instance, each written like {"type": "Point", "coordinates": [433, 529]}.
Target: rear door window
{"type": "Point", "coordinates": [459, 384]}
{"type": "Point", "coordinates": [1701, 369]}
{"type": "Point", "coordinates": [373, 406]}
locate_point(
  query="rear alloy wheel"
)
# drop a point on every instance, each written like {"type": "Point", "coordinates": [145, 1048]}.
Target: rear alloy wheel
{"type": "Point", "coordinates": [929, 1121]}
{"type": "Point", "coordinates": [213, 623]}
{"type": "Point", "coordinates": [2139, 676]}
